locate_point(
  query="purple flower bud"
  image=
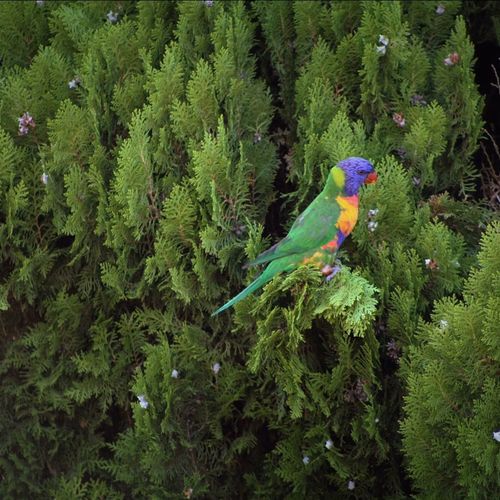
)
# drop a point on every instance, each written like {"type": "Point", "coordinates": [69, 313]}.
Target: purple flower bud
{"type": "Point", "coordinates": [356, 392]}
{"type": "Point", "coordinates": [216, 368]}
{"type": "Point", "coordinates": [351, 485]}
{"type": "Point", "coordinates": [239, 229]}
{"type": "Point", "coordinates": [440, 9]}
{"type": "Point", "coordinates": [328, 444]}
{"type": "Point", "coordinates": [401, 152]}
{"type": "Point", "coordinates": [25, 121]}
{"type": "Point", "coordinates": [418, 100]}
{"type": "Point", "coordinates": [393, 350]}
{"type": "Point", "coordinates": [306, 459]}
{"type": "Point", "coordinates": [112, 16]}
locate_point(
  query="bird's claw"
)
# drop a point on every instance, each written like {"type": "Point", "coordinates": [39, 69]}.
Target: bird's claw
{"type": "Point", "coordinates": [329, 272]}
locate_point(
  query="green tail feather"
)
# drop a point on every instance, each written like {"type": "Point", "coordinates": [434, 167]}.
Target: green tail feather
{"type": "Point", "coordinates": [254, 285]}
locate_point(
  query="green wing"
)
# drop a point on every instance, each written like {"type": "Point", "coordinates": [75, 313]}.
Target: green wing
{"type": "Point", "coordinates": [313, 228]}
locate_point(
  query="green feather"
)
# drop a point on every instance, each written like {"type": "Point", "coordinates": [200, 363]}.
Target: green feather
{"type": "Point", "coordinates": [274, 268]}
{"type": "Point", "coordinates": [313, 228]}
{"type": "Point", "coordinates": [255, 285]}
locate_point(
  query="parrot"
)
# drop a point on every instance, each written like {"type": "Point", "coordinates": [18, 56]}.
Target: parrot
{"type": "Point", "coordinates": [318, 232]}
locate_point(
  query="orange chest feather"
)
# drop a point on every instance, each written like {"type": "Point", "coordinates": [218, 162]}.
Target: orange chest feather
{"type": "Point", "coordinates": [348, 213]}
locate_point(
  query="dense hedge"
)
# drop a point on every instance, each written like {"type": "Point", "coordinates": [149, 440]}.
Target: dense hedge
{"type": "Point", "coordinates": [147, 151]}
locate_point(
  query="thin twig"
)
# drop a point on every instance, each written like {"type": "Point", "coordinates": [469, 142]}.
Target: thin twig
{"type": "Point", "coordinates": [497, 85]}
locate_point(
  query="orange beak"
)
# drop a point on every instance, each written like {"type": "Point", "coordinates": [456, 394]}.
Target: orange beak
{"type": "Point", "coordinates": [371, 178]}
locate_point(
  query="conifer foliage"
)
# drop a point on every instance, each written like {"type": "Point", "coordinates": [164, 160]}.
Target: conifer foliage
{"type": "Point", "coordinates": [452, 399]}
{"type": "Point", "coordinates": [148, 150]}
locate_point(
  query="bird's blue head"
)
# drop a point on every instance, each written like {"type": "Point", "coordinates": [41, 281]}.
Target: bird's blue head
{"type": "Point", "coordinates": [357, 171]}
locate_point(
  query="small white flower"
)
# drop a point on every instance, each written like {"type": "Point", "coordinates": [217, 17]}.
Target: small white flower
{"type": "Point", "coordinates": [306, 460]}
{"type": "Point", "coordinates": [431, 264]}
{"type": "Point", "coordinates": [496, 436]}
{"type": "Point", "coordinates": [72, 84]}
{"type": "Point", "coordinates": [175, 373]}
{"type": "Point", "coordinates": [209, 3]}
{"type": "Point", "coordinates": [399, 119]}
{"type": "Point", "coordinates": [443, 324]}
{"type": "Point", "coordinates": [112, 16]}
{"type": "Point", "coordinates": [372, 225]}
{"type": "Point", "coordinates": [383, 40]}
{"type": "Point", "coordinates": [377, 420]}
{"type": "Point", "coordinates": [372, 212]}
{"type": "Point", "coordinates": [381, 49]}
{"type": "Point", "coordinates": [216, 368]}
{"type": "Point", "coordinates": [143, 402]}
{"type": "Point", "coordinates": [44, 178]}
{"type": "Point", "coordinates": [440, 9]}
{"type": "Point", "coordinates": [40, 3]}
{"type": "Point", "coordinates": [328, 444]}
{"type": "Point", "coordinates": [416, 181]}
{"type": "Point", "coordinates": [351, 485]}
{"type": "Point", "coordinates": [448, 62]}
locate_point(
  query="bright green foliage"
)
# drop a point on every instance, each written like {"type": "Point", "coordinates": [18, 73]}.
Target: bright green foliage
{"type": "Point", "coordinates": [462, 104]}
{"type": "Point", "coordinates": [452, 404]}
{"type": "Point", "coordinates": [425, 141]}
{"type": "Point", "coordinates": [110, 67]}
{"type": "Point", "coordinates": [381, 76]}
{"type": "Point", "coordinates": [198, 404]}
{"type": "Point", "coordinates": [196, 134]}
{"type": "Point", "coordinates": [48, 75]}
{"type": "Point", "coordinates": [276, 21]}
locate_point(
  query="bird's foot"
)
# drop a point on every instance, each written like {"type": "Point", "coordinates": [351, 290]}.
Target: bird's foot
{"type": "Point", "coordinates": [329, 272]}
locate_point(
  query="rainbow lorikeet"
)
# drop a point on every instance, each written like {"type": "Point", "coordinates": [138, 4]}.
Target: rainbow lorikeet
{"type": "Point", "coordinates": [318, 232]}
